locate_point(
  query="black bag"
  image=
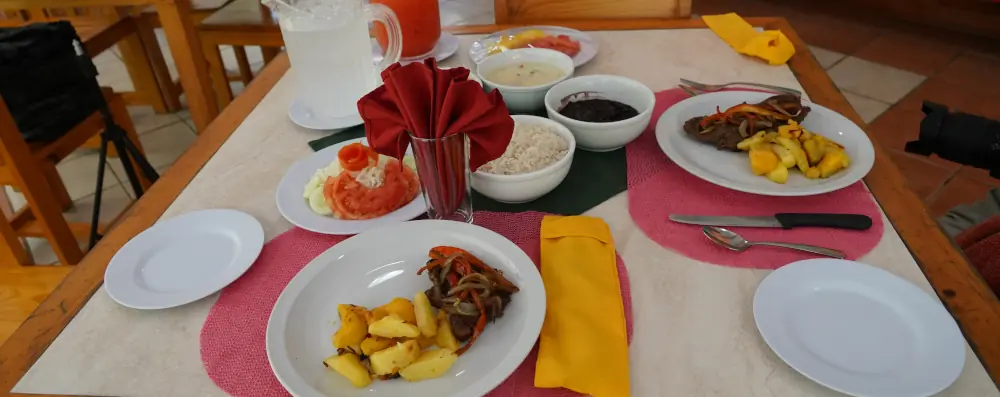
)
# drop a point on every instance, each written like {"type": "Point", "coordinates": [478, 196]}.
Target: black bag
{"type": "Point", "coordinates": [47, 87]}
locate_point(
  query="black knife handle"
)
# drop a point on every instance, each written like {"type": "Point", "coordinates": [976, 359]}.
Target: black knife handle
{"type": "Point", "coordinates": [839, 221]}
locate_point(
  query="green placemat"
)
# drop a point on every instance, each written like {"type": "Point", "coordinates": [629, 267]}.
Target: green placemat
{"type": "Point", "coordinates": [593, 179]}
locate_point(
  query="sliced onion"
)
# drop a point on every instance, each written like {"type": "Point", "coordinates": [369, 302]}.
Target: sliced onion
{"type": "Point", "coordinates": [743, 128]}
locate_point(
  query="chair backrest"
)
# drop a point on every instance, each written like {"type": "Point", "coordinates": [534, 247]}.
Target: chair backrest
{"type": "Point", "coordinates": [76, 15]}
{"type": "Point", "coordinates": [521, 11]}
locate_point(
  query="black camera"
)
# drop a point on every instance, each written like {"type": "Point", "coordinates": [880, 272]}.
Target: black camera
{"type": "Point", "coordinates": [958, 137]}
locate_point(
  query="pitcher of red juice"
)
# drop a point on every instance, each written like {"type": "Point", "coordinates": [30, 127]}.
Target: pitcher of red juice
{"type": "Point", "coordinates": [420, 23]}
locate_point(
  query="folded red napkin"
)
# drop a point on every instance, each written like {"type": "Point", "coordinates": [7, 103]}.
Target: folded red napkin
{"type": "Point", "coordinates": [433, 103]}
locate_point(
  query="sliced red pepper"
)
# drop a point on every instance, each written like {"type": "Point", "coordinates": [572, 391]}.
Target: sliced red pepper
{"type": "Point", "coordinates": [480, 324]}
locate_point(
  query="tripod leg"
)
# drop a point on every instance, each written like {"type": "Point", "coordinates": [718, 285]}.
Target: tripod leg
{"type": "Point", "coordinates": [139, 159]}
{"type": "Point", "coordinates": [96, 214]}
{"type": "Point", "coordinates": [118, 139]}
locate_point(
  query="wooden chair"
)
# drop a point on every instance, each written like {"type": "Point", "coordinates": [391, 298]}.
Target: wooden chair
{"type": "Point", "coordinates": [31, 168]}
{"type": "Point", "coordinates": [521, 11]}
{"type": "Point", "coordinates": [150, 20]}
{"type": "Point", "coordinates": [239, 24]}
{"type": "Point", "coordinates": [100, 29]}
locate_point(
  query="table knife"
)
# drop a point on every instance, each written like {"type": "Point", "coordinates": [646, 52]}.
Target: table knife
{"type": "Point", "coordinates": [784, 220]}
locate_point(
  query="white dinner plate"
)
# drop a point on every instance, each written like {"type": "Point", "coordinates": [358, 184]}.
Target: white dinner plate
{"type": "Point", "coordinates": [372, 268]}
{"type": "Point", "coordinates": [588, 47]}
{"type": "Point", "coordinates": [446, 46]}
{"type": "Point", "coordinates": [858, 329]}
{"type": "Point", "coordinates": [183, 259]}
{"type": "Point", "coordinates": [296, 210]}
{"type": "Point", "coordinates": [732, 170]}
{"type": "Point", "coordinates": [305, 118]}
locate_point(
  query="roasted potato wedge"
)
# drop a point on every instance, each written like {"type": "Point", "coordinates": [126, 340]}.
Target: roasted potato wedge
{"type": "Point", "coordinates": [431, 364]}
{"type": "Point", "coordinates": [402, 308]}
{"type": "Point", "coordinates": [392, 326]}
{"type": "Point", "coordinates": [353, 329]}
{"type": "Point", "coordinates": [425, 315]}
{"type": "Point", "coordinates": [391, 360]}
{"type": "Point", "coordinates": [373, 344]}
{"type": "Point", "coordinates": [349, 365]}
{"type": "Point", "coordinates": [445, 337]}
{"type": "Point", "coordinates": [778, 175]}
{"type": "Point", "coordinates": [426, 341]}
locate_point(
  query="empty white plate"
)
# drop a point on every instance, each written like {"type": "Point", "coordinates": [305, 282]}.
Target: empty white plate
{"type": "Point", "coordinates": [446, 46]}
{"type": "Point", "coordinates": [184, 259]}
{"type": "Point", "coordinates": [305, 118]}
{"type": "Point", "coordinates": [858, 329]}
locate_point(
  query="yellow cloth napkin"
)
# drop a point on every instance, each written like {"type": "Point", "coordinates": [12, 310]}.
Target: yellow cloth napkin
{"type": "Point", "coordinates": [770, 45]}
{"type": "Point", "coordinates": [583, 345]}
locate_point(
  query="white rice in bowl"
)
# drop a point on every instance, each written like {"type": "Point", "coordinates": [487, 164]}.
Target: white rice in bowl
{"type": "Point", "coordinates": [533, 147]}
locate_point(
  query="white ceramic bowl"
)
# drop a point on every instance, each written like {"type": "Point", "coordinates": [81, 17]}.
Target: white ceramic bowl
{"type": "Point", "coordinates": [603, 137]}
{"type": "Point", "coordinates": [521, 188]}
{"type": "Point", "coordinates": [524, 99]}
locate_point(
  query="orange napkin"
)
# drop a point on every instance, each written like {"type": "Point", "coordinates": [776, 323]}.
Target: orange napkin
{"type": "Point", "coordinates": [771, 45]}
{"type": "Point", "coordinates": [429, 102]}
{"type": "Point", "coordinates": [583, 345]}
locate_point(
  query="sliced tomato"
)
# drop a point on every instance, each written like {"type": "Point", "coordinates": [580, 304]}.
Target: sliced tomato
{"type": "Point", "coordinates": [561, 43]}
{"type": "Point", "coordinates": [356, 157]}
{"type": "Point", "coordinates": [353, 200]}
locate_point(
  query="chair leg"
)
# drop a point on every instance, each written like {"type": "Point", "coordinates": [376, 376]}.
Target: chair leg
{"type": "Point", "coordinates": [58, 187]}
{"type": "Point", "coordinates": [269, 53]}
{"type": "Point", "coordinates": [217, 70]}
{"type": "Point", "coordinates": [12, 251]}
{"type": "Point", "coordinates": [243, 63]}
{"type": "Point", "coordinates": [120, 114]}
{"type": "Point", "coordinates": [171, 93]}
{"type": "Point", "coordinates": [141, 71]}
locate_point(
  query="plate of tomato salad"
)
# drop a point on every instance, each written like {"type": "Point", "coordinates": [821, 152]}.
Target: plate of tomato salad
{"type": "Point", "coordinates": [574, 43]}
{"type": "Point", "coordinates": [347, 188]}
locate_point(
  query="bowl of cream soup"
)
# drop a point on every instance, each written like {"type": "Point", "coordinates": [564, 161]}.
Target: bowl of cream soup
{"type": "Point", "coordinates": [524, 75]}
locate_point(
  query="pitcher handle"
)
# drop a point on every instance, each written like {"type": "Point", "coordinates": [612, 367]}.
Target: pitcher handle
{"type": "Point", "coordinates": [385, 15]}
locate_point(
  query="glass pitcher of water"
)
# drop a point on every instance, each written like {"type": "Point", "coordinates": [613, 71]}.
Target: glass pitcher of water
{"type": "Point", "coordinates": [330, 50]}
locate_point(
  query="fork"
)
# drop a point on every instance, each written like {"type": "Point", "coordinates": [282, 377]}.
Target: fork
{"type": "Point", "coordinates": [717, 87]}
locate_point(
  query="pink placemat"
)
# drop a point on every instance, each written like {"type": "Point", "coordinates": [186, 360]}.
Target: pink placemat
{"type": "Point", "coordinates": [657, 188]}
{"type": "Point", "coordinates": [232, 339]}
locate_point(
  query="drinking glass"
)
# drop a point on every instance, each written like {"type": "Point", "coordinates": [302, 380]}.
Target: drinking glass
{"type": "Point", "coordinates": [443, 169]}
{"type": "Point", "coordinates": [420, 23]}
{"type": "Point", "coordinates": [330, 49]}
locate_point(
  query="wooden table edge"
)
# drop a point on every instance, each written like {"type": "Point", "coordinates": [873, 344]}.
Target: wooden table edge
{"type": "Point", "coordinates": [959, 286]}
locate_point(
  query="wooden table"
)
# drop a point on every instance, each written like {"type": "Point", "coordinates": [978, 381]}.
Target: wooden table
{"type": "Point", "coordinates": [181, 36]}
{"type": "Point", "coordinates": [708, 354]}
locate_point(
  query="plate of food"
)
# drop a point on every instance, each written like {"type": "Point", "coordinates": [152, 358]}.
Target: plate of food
{"type": "Point", "coordinates": [347, 188]}
{"type": "Point", "coordinates": [422, 308]}
{"type": "Point", "coordinates": [578, 45]}
{"type": "Point", "coordinates": [761, 143]}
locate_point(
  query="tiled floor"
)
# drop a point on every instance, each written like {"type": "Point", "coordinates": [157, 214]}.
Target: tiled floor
{"type": "Point", "coordinates": [885, 73]}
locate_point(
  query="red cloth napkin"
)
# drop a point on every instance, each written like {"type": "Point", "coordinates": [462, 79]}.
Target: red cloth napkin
{"type": "Point", "coordinates": [429, 102]}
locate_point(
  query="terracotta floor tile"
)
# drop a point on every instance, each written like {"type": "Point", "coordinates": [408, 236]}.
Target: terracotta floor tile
{"type": "Point", "coordinates": [973, 69]}
{"type": "Point", "coordinates": [832, 33]}
{"type": "Point", "coordinates": [959, 190]}
{"type": "Point", "coordinates": [979, 175]}
{"type": "Point", "coordinates": [896, 127]}
{"type": "Point", "coordinates": [922, 175]}
{"type": "Point", "coordinates": [909, 52]}
{"type": "Point", "coordinates": [975, 99]}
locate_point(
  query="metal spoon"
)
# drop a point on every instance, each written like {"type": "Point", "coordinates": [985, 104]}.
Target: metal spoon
{"type": "Point", "coordinates": [736, 242]}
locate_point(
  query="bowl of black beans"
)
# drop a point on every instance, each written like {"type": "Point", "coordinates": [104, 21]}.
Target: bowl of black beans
{"type": "Point", "coordinates": [603, 112]}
